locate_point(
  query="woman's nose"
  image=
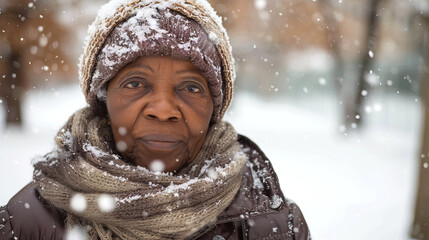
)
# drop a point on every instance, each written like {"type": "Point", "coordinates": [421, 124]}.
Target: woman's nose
{"type": "Point", "coordinates": [162, 108]}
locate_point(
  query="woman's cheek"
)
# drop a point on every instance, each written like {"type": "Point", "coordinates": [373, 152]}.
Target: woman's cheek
{"type": "Point", "coordinates": [121, 124]}
{"type": "Point", "coordinates": [202, 106]}
{"type": "Point", "coordinates": [200, 127]}
{"type": "Point", "coordinates": [122, 137]}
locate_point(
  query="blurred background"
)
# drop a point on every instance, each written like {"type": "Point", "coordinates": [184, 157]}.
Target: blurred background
{"type": "Point", "coordinates": [334, 91]}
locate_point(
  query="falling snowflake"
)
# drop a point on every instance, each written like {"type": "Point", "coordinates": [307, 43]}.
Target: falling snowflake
{"type": "Point", "coordinates": [157, 166]}
{"type": "Point", "coordinates": [78, 203]}
{"type": "Point", "coordinates": [75, 233]}
{"type": "Point", "coordinates": [121, 146]}
{"type": "Point", "coordinates": [389, 83]}
{"type": "Point", "coordinates": [106, 203]}
{"type": "Point", "coordinates": [122, 131]}
{"type": "Point", "coordinates": [260, 4]}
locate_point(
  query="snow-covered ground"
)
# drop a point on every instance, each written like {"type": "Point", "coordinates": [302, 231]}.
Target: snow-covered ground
{"type": "Point", "coordinates": [360, 186]}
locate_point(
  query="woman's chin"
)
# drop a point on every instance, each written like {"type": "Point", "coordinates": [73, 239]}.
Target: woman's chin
{"type": "Point", "coordinates": [161, 158]}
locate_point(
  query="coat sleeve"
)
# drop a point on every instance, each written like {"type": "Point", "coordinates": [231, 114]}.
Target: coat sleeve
{"type": "Point", "coordinates": [298, 223]}
{"type": "Point", "coordinates": [6, 231]}
{"type": "Point", "coordinates": [27, 216]}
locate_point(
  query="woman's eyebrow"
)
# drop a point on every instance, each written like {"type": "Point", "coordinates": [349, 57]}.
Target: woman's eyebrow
{"type": "Point", "coordinates": [143, 66]}
{"type": "Point", "coordinates": [133, 72]}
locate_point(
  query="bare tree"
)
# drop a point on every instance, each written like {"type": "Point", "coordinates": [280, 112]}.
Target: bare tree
{"type": "Point", "coordinates": [11, 86]}
{"type": "Point", "coordinates": [353, 111]}
{"type": "Point", "coordinates": [30, 49]}
{"type": "Point", "coordinates": [421, 216]}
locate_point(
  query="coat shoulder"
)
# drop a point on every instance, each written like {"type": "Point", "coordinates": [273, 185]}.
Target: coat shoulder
{"type": "Point", "coordinates": [27, 216]}
{"type": "Point", "coordinates": [260, 210]}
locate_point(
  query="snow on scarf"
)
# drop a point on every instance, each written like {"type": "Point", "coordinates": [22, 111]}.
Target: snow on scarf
{"type": "Point", "coordinates": [143, 204]}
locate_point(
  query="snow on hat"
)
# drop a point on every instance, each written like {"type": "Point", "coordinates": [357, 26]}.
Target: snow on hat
{"type": "Point", "coordinates": [183, 29]}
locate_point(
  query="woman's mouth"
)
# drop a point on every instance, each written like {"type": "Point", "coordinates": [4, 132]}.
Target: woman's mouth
{"type": "Point", "coordinates": [160, 142]}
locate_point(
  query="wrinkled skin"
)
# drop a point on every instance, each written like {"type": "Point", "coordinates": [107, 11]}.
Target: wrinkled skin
{"type": "Point", "coordinates": [160, 109]}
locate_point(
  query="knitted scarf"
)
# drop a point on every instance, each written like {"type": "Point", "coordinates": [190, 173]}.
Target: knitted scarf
{"type": "Point", "coordinates": [117, 200]}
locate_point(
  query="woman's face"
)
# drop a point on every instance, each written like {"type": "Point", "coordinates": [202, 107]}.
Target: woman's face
{"type": "Point", "coordinates": [160, 109]}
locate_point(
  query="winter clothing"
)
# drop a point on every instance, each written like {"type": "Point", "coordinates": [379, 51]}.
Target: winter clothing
{"type": "Point", "coordinates": [173, 206]}
{"type": "Point", "coordinates": [229, 191]}
{"type": "Point", "coordinates": [259, 210]}
{"type": "Point", "coordinates": [160, 32]}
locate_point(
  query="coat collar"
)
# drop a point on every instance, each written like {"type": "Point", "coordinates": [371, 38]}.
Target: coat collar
{"type": "Point", "coordinates": [260, 192]}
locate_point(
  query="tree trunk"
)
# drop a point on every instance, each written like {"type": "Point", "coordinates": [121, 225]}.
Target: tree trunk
{"type": "Point", "coordinates": [421, 216]}
{"type": "Point", "coordinates": [356, 108]}
{"type": "Point", "coordinates": [12, 89]}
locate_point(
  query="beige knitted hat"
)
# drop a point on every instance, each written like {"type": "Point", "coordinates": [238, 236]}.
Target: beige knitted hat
{"type": "Point", "coordinates": [118, 11]}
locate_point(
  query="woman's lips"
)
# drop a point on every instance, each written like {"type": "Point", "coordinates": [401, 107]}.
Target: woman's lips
{"type": "Point", "coordinates": [160, 142]}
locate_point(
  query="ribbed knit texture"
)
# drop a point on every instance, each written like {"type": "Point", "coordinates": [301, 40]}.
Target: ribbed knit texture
{"type": "Point", "coordinates": [117, 11]}
{"type": "Point", "coordinates": [147, 205]}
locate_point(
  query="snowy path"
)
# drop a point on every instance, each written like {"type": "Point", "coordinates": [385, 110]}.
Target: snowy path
{"type": "Point", "coordinates": [355, 187]}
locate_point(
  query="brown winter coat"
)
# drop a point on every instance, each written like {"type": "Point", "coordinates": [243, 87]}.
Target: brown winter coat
{"type": "Point", "coordinates": [259, 211]}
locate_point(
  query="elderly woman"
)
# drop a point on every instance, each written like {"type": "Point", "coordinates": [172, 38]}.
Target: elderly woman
{"type": "Point", "coordinates": [150, 157]}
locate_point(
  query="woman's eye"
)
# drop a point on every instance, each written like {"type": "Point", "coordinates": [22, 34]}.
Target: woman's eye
{"type": "Point", "coordinates": [134, 84]}
{"type": "Point", "coordinates": [193, 88]}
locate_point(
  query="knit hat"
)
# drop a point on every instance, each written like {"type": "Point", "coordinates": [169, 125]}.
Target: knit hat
{"type": "Point", "coordinates": [184, 29]}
